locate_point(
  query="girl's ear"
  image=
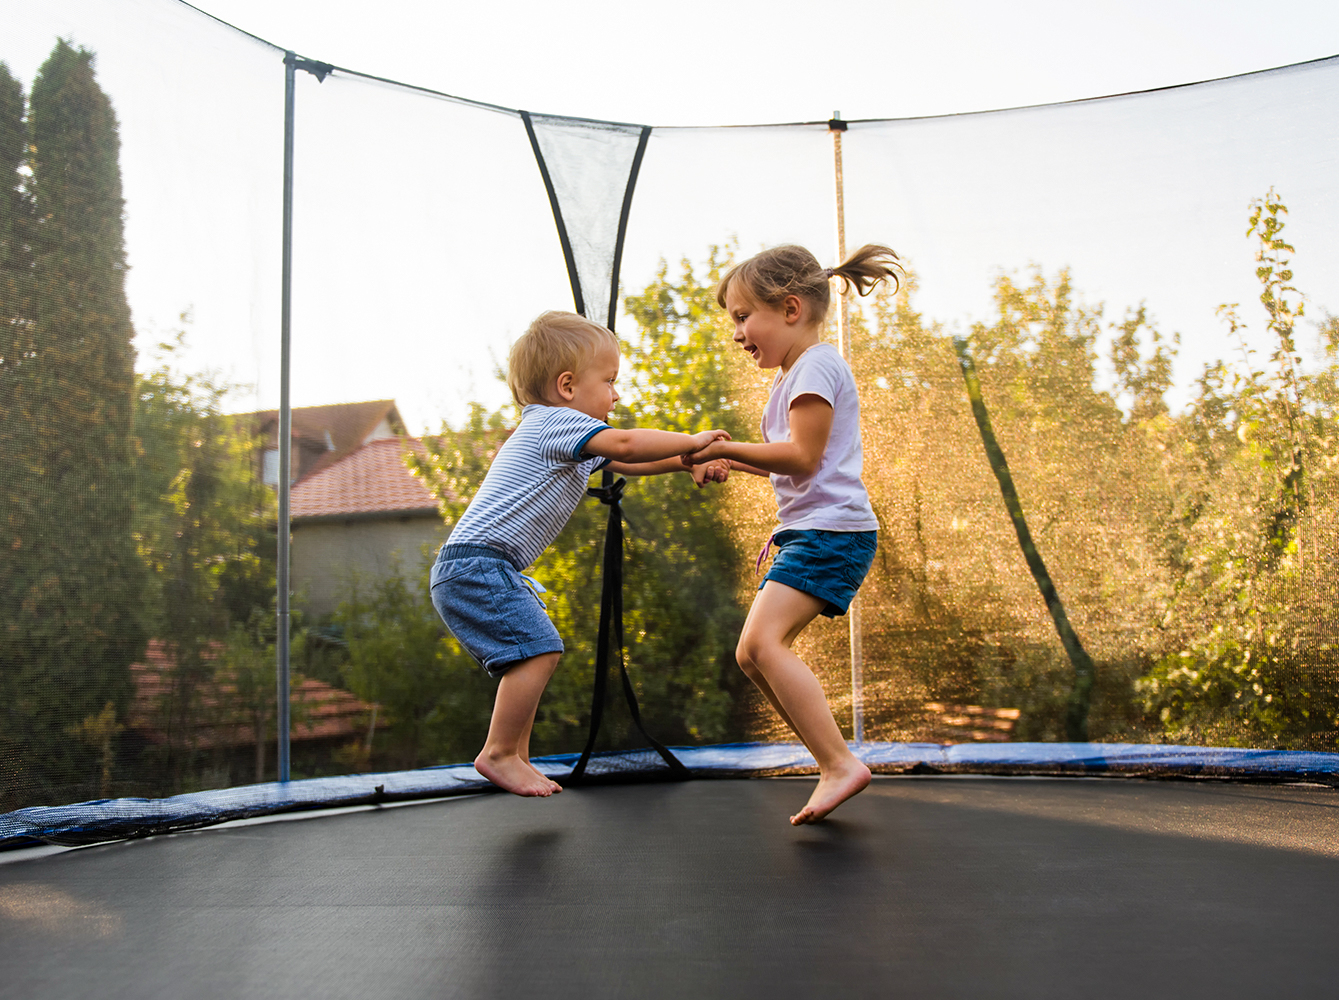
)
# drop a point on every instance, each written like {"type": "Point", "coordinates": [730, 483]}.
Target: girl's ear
{"type": "Point", "coordinates": [565, 385]}
{"type": "Point", "coordinates": [792, 307]}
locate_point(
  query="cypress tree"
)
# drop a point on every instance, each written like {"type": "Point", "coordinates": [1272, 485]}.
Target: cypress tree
{"type": "Point", "coordinates": [16, 221]}
{"type": "Point", "coordinates": [70, 577]}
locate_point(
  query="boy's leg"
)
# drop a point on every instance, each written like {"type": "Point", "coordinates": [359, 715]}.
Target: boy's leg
{"type": "Point", "coordinates": [778, 615]}
{"type": "Point", "coordinates": [523, 751]}
{"type": "Point", "coordinates": [501, 760]}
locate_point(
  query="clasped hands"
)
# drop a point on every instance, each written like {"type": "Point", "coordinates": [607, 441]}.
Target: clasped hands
{"type": "Point", "coordinates": [706, 467]}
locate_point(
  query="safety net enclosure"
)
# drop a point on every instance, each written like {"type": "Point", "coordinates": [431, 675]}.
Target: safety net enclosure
{"type": "Point", "coordinates": [1096, 267]}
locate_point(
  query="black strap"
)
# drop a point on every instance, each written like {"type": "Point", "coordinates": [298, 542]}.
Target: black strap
{"type": "Point", "coordinates": [623, 224]}
{"type": "Point", "coordinates": [611, 628]}
{"type": "Point", "coordinates": [568, 256]}
{"type": "Point", "coordinates": [1076, 721]}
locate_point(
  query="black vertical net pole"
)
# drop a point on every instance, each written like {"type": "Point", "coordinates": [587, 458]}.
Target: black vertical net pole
{"type": "Point", "coordinates": [285, 429]}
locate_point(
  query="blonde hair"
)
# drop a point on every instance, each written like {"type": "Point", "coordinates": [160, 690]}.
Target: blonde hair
{"type": "Point", "coordinates": [556, 342]}
{"type": "Point", "coordinates": [770, 276]}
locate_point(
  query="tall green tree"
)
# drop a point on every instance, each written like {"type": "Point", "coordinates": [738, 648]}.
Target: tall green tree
{"type": "Point", "coordinates": [1251, 659]}
{"type": "Point", "coordinates": [200, 529]}
{"type": "Point", "coordinates": [70, 578]}
{"type": "Point", "coordinates": [16, 230]}
{"type": "Point", "coordinates": [681, 571]}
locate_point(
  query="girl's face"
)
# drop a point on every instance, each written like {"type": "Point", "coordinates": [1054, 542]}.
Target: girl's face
{"type": "Point", "coordinates": [774, 336]}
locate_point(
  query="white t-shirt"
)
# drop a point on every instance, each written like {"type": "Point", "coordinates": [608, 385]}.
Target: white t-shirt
{"type": "Point", "coordinates": [536, 481]}
{"type": "Point", "coordinates": [833, 498]}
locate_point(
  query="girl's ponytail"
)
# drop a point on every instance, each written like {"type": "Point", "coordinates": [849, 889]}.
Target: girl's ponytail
{"type": "Point", "coordinates": [867, 267]}
{"type": "Point", "coordinates": [770, 276]}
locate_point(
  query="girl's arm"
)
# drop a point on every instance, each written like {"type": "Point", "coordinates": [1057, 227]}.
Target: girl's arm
{"type": "Point", "coordinates": [810, 426]}
{"type": "Point", "coordinates": [752, 470]}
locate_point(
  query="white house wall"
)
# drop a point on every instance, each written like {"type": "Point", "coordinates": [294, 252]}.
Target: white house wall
{"type": "Point", "coordinates": [328, 555]}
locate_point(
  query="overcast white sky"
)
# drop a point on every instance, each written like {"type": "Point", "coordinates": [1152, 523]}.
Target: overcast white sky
{"type": "Point", "coordinates": [719, 62]}
{"type": "Point", "coordinates": [398, 292]}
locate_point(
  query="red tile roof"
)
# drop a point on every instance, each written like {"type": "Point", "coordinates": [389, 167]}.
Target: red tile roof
{"type": "Point", "coordinates": [320, 711]}
{"type": "Point", "coordinates": [346, 424]}
{"type": "Point", "coordinates": [371, 480]}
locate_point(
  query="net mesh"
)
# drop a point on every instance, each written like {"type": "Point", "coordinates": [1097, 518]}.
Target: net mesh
{"type": "Point", "coordinates": [1174, 460]}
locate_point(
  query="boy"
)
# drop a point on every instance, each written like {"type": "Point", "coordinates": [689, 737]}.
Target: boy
{"type": "Point", "coordinates": [561, 372]}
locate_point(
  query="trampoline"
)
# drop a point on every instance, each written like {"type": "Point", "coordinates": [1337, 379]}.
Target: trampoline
{"type": "Point", "coordinates": [138, 859]}
{"type": "Point", "coordinates": [923, 886]}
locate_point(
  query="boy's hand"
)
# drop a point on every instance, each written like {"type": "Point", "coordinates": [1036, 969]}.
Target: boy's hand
{"type": "Point", "coordinates": [717, 471]}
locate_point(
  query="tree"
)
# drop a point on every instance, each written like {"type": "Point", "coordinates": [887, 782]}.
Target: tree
{"type": "Point", "coordinates": [400, 657]}
{"type": "Point", "coordinates": [17, 220]}
{"type": "Point", "coordinates": [16, 328]}
{"type": "Point", "coordinates": [70, 579]}
{"type": "Point", "coordinates": [1250, 659]}
{"type": "Point", "coordinates": [200, 527]}
{"type": "Point", "coordinates": [681, 614]}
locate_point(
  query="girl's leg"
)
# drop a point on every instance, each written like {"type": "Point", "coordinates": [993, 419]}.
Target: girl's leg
{"type": "Point", "coordinates": [778, 615]}
{"type": "Point", "coordinates": [755, 675]}
{"type": "Point", "coordinates": [504, 760]}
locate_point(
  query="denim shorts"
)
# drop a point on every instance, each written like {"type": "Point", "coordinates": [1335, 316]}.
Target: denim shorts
{"type": "Point", "coordinates": [829, 565]}
{"type": "Point", "coordinates": [495, 615]}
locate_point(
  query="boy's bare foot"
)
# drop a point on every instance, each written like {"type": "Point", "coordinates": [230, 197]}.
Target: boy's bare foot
{"type": "Point", "coordinates": [553, 784]}
{"type": "Point", "coordinates": [512, 774]}
{"type": "Point", "coordinates": [833, 789]}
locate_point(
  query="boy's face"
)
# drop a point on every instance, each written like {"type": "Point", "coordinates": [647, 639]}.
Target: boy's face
{"type": "Point", "coordinates": [591, 390]}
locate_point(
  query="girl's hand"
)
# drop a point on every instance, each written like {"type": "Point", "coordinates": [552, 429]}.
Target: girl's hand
{"type": "Point", "coordinates": [706, 453]}
{"type": "Point", "coordinates": [706, 438]}
{"type": "Point", "coordinates": [717, 471]}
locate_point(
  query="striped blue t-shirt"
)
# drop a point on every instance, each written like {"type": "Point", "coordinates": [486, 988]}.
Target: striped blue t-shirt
{"type": "Point", "coordinates": [534, 484]}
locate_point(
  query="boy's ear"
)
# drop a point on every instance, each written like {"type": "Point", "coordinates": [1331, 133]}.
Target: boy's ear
{"type": "Point", "coordinates": [565, 385]}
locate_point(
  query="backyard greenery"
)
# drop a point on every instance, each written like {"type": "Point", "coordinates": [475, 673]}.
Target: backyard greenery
{"type": "Point", "coordinates": [1192, 549]}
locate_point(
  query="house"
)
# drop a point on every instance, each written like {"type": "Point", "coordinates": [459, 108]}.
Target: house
{"type": "Point", "coordinates": [322, 435]}
{"type": "Point", "coordinates": [362, 515]}
{"type": "Point", "coordinates": [355, 509]}
{"type": "Point", "coordinates": [223, 722]}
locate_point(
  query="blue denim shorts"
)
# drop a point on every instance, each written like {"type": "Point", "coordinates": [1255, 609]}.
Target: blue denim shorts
{"type": "Point", "coordinates": [829, 565]}
{"type": "Point", "coordinates": [491, 609]}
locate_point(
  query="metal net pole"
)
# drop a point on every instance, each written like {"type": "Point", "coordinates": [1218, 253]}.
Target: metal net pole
{"type": "Point", "coordinates": [836, 126]}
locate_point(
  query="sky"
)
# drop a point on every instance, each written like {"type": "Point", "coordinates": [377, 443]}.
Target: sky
{"type": "Point", "coordinates": [423, 239]}
{"type": "Point", "coordinates": [718, 62]}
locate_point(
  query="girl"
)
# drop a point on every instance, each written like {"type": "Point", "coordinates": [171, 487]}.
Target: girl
{"type": "Point", "coordinates": [811, 449]}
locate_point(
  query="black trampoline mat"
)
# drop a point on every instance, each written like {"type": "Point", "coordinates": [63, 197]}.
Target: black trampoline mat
{"type": "Point", "coordinates": [921, 887]}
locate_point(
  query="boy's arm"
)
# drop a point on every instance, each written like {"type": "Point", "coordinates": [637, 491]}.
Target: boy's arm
{"type": "Point", "coordinates": [642, 446]}
{"type": "Point", "coordinates": [709, 472]}
{"type": "Point", "coordinates": [647, 468]}
{"type": "Point", "coordinates": [810, 427]}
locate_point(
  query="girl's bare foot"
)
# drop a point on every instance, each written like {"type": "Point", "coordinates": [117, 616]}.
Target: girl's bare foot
{"type": "Point", "coordinates": [833, 789]}
{"type": "Point", "coordinates": [512, 774]}
{"type": "Point", "coordinates": [553, 784]}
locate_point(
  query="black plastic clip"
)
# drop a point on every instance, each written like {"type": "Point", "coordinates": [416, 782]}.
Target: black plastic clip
{"type": "Point", "coordinates": [320, 70]}
{"type": "Point", "coordinates": [610, 495]}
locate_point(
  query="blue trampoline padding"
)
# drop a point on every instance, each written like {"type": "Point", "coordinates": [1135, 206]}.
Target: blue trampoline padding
{"type": "Point", "coordinates": [118, 819]}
